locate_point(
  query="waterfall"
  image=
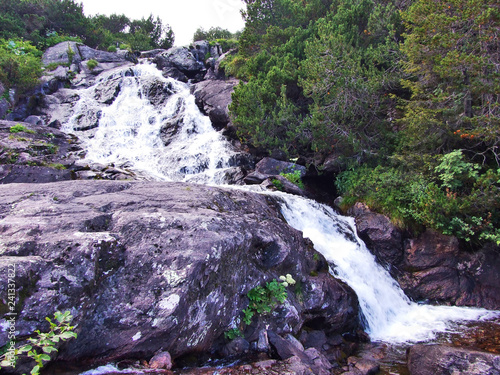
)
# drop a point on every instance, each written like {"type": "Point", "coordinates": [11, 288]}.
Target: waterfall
{"type": "Point", "coordinates": [134, 132]}
{"type": "Point", "coordinates": [130, 132]}
{"type": "Point", "coordinates": [390, 315]}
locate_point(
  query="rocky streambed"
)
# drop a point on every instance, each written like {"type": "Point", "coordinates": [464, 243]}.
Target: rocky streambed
{"type": "Point", "coordinates": [156, 273]}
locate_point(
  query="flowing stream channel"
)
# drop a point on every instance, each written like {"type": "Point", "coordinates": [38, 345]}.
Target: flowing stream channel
{"type": "Point", "coordinates": [130, 133]}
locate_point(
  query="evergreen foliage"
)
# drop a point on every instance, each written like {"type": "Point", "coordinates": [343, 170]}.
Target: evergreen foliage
{"type": "Point", "coordinates": [406, 93]}
{"type": "Point", "coordinates": [213, 34]}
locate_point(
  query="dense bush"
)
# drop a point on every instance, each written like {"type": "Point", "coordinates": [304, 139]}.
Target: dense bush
{"type": "Point", "coordinates": [454, 196]}
{"type": "Point", "coordinates": [20, 65]}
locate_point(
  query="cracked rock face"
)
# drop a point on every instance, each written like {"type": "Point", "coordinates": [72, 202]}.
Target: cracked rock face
{"type": "Point", "coordinates": [147, 266]}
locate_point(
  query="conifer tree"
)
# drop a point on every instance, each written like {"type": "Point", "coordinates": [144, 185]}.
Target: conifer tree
{"type": "Point", "coordinates": [453, 59]}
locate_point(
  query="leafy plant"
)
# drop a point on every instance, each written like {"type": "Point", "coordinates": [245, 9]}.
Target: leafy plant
{"type": "Point", "coordinates": [278, 184]}
{"type": "Point", "coordinates": [232, 333]}
{"type": "Point", "coordinates": [454, 170]}
{"type": "Point", "coordinates": [413, 200]}
{"type": "Point", "coordinates": [262, 300]}
{"type": "Point", "coordinates": [53, 66]}
{"type": "Point", "coordinates": [294, 178]}
{"type": "Point", "coordinates": [20, 65]}
{"type": "Point", "coordinates": [71, 54]}
{"type": "Point", "coordinates": [40, 347]}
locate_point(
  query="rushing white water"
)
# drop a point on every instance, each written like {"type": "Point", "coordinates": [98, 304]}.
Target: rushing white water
{"type": "Point", "coordinates": [129, 131]}
{"type": "Point", "coordinates": [390, 315]}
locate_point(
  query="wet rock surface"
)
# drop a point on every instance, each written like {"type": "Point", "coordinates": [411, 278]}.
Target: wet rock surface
{"type": "Point", "coordinates": [148, 266]}
{"type": "Point", "coordinates": [182, 63]}
{"type": "Point", "coordinates": [381, 236]}
{"type": "Point", "coordinates": [267, 173]}
{"type": "Point", "coordinates": [34, 153]}
{"type": "Point", "coordinates": [442, 272]}
{"type": "Point", "coordinates": [442, 359]}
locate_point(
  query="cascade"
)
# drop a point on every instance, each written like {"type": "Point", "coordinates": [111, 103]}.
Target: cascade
{"type": "Point", "coordinates": [390, 315]}
{"type": "Point", "coordinates": [132, 129]}
{"type": "Point", "coordinates": [129, 133]}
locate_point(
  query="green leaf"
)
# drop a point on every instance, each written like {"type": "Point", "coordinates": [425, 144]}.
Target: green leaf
{"type": "Point", "coordinates": [68, 335]}
{"type": "Point", "coordinates": [49, 349]}
{"type": "Point", "coordinates": [35, 370]}
{"type": "Point", "coordinates": [44, 357]}
{"type": "Point", "coordinates": [25, 348]}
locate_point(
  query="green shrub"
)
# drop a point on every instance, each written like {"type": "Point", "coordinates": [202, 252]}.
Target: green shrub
{"type": "Point", "coordinates": [51, 38]}
{"type": "Point", "coordinates": [20, 65]}
{"type": "Point", "coordinates": [71, 54]}
{"type": "Point", "coordinates": [227, 44]}
{"type": "Point", "coordinates": [278, 184]}
{"type": "Point", "coordinates": [232, 334]}
{"type": "Point", "coordinates": [92, 64]}
{"type": "Point", "coordinates": [53, 66]}
{"type": "Point", "coordinates": [262, 300]}
{"type": "Point", "coordinates": [112, 48]}
{"type": "Point", "coordinates": [454, 197]}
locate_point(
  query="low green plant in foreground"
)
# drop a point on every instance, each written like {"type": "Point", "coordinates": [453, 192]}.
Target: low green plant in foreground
{"type": "Point", "coordinates": [263, 300]}
{"type": "Point", "coordinates": [40, 347]}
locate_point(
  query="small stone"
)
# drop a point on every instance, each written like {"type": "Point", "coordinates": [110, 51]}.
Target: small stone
{"type": "Point", "coordinates": [161, 360]}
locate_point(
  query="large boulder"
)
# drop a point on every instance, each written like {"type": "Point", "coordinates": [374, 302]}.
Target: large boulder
{"type": "Point", "coordinates": [213, 98]}
{"type": "Point", "coordinates": [68, 53]}
{"type": "Point", "coordinates": [444, 360]}
{"type": "Point", "coordinates": [147, 266]}
{"type": "Point", "coordinates": [268, 168]}
{"type": "Point", "coordinates": [177, 62]}
{"type": "Point", "coordinates": [200, 49]}
{"type": "Point", "coordinates": [74, 69]}
{"type": "Point", "coordinates": [33, 153]}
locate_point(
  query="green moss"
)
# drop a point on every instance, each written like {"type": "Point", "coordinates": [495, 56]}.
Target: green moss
{"type": "Point", "coordinates": [18, 128]}
{"type": "Point", "coordinates": [57, 166]}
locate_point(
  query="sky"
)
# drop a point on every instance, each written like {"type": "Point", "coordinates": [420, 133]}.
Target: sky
{"type": "Point", "coordinates": [184, 16]}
